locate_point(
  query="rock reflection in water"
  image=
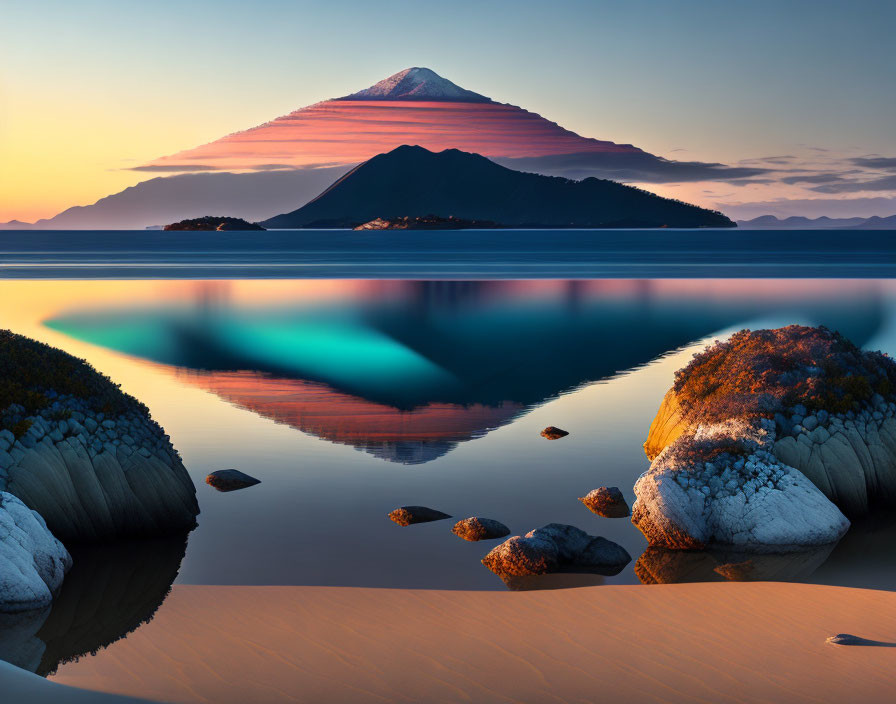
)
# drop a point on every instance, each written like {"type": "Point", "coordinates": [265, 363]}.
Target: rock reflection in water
{"type": "Point", "coordinates": [663, 566]}
{"type": "Point", "coordinates": [109, 592]}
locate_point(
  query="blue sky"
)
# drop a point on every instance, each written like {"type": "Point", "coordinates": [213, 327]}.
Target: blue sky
{"type": "Point", "coordinates": [718, 81]}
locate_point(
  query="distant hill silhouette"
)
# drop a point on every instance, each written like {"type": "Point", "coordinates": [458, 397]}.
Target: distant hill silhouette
{"type": "Point", "coordinates": [161, 200]}
{"type": "Point", "coordinates": [415, 182]}
{"type": "Point", "coordinates": [770, 222]}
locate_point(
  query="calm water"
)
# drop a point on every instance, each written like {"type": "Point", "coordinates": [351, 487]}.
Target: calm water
{"type": "Point", "coordinates": [466, 254]}
{"type": "Point", "coordinates": [349, 398]}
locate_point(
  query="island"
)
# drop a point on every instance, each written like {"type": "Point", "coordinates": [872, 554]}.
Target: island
{"type": "Point", "coordinates": [426, 222]}
{"type": "Point", "coordinates": [417, 183]}
{"type": "Point", "coordinates": [212, 223]}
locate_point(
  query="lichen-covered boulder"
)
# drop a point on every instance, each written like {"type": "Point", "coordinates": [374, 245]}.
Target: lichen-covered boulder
{"type": "Point", "coordinates": [408, 515]}
{"type": "Point", "coordinates": [553, 548]}
{"type": "Point", "coordinates": [832, 408]}
{"type": "Point", "coordinates": [83, 454]}
{"type": "Point", "coordinates": [476, 528]}
{"type": "Point", "coordinates": [722, 485]}
{"type": "Point", "coordinates": [33, 563]}
{"type": "Point", "coordinates": [606, 501]}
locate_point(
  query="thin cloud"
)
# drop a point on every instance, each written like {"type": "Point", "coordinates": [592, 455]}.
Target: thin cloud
{"type": "Point", "coordinates": [174, 168]}
{"type": "Point", "coordinates": [887, 163]}
{"type": "Point", "coordinates": [887, 183]}
{"type": "Point", "coordinates": [631, 167]}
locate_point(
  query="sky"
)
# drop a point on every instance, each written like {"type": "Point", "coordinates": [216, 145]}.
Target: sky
{"type": "Point", "coordinates": [89, 89]}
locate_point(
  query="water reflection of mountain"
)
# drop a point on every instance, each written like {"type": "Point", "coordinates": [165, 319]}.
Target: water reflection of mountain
{"type": "Point", "coordinates": [110, 591]}
{"type": "Point", "coordinates": [406, 370]}
{"type": "Point", "coordinates": [408, 437]}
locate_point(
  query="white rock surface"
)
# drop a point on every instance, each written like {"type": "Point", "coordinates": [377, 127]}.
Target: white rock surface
{"type": "Point", "coordinates": [693, 496]}
{"type": "Point", "coordinates": [33, 562]}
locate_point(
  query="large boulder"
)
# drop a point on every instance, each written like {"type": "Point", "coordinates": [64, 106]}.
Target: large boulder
{"type": "Point", "coordinates": [722, 485]}
{"type": "Point", "coordinates": [83, 454]}
{"type": "Point", "coordinates": [33, 563]}
{"type": "Point", "coordinates": [760, 434]}
{"type": "Point", "coordinates": [833, 407]}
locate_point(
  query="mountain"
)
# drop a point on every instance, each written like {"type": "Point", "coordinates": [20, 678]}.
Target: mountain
{"type": "Point", "coordinates": [877, 223]}
{"type": "Point", "coordinates": [414, 106]}
{"type": "Point", "coordinates": [161, 200]}
{"type": "Point", "coordinates": [250, 174]}
{"type": "Point", "coordinates": [417, 84]}
{"type": "Point", "coordinates": [415, 182]}
{"type": "Point", "coordinates": [770, 222]}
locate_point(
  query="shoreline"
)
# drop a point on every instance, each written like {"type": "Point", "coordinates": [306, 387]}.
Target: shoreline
{"type": "Point", "coordinates": [730, 642]}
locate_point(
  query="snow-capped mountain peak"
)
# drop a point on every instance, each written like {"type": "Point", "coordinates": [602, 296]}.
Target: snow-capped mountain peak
{"type": "Point", "coordinates": [417, 83]}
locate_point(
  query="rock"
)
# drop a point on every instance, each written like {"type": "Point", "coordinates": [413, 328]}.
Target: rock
{"type": "Point", "coordinates": [552, 548]}
{"type": "Point", "coordinates": [552, 433]}
{"type": "Point", "coordinates": [744, 497]}
{"type": "Point", "coordinates": [849, 639]}
{"type": "Point", "coordinates": [607, 502]}
{"type": "Point", "coordinates": [84, 490]}
{"type": "Point", "coordinates": [230, 480]}
{"type": "Point", "coordinates": [476, 528]}
{"type": "Point", "coordinates": [846, 451]}
{"type": "Point", "coordinates": [406, 515]}
{"type": "Point", "coordinates": [741, 441]}
{"type": "Point", "coordinates": [522, 556]}
{"type": "Point", "coordinates": [33, 562]}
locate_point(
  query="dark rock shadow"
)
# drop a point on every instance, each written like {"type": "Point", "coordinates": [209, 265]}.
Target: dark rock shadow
{"type": "Point", "coordinates": [110, 591]}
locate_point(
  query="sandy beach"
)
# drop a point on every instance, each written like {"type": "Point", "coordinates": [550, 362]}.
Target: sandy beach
{"type": "Point", "coordinates": [732, 642]}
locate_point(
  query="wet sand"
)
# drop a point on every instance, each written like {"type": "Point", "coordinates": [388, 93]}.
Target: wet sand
{"type": "Point", "coordinates": [731, 642]}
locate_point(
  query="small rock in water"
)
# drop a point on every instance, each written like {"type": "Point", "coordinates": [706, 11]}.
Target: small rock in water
{"type": "Point", "coordinates": [476, 528]}
{"type": "Point", "coordinates": [552, 433]}
{"type": "Point", "coordinates": [552, 548]}
{"type": "Point", "coordinates": [606, 501]}
{"type": "Point", "coordinates": [230, 480]}
{"type": "Point", "coordinates": [406, 515]}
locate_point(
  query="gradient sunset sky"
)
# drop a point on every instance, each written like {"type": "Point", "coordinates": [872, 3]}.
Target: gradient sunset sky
{"type": "Point", "coordinates": [90, 89]}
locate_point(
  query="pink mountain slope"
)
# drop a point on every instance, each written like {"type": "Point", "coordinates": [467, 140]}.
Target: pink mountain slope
{"type": "Point", "coordinates": [414, 106]}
